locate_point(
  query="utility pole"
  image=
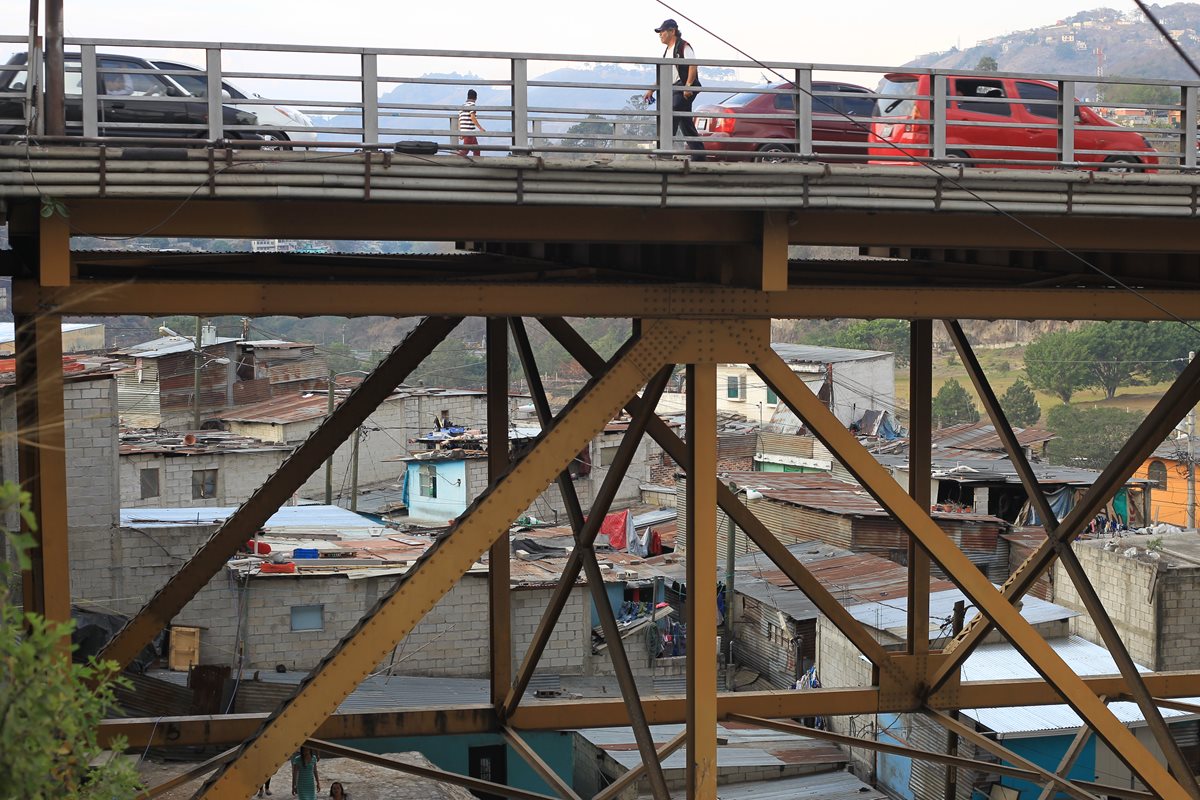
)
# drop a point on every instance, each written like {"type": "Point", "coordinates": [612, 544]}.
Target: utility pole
{"type": "Point", "coordinates": [957, 617]}
{"type": "Point", "coordinates": [197, 362]}
{"type": "Point", "coordinates": [329, 461]}
{"type": "Point", "coordinates": [56, 74]}
{"type": "Point", "coordinates": [1191, 457]}
{"type": "Point", "coordinates": [731, 533]}
{"type": "Point", "coordinates": [354, 471]}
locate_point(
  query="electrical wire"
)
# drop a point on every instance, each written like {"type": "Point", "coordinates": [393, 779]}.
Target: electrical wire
{"type": "Point", "coordinates": [948, 178]}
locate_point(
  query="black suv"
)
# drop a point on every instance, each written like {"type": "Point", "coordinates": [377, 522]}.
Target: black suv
{"type": "Point", "coordinates": [127, 105]}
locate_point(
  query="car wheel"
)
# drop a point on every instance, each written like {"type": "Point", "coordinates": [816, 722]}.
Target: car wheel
{"type": "Point", "coordinates": [274, 141]}
{"type": "Point", "coordinates": [1120, 164]}
{"type": "Point", "coordinates": [958, 159]}
{"type": "Point", "coordinates": [773, 154]}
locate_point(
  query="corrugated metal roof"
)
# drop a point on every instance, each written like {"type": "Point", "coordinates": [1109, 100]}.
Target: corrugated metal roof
{"type": "Point", "coordinates": [742, 745]}
{"type": "Point", "coordinates": [282, 410]}
{"type": "Point", "coordinates": [812, 354]}
{"type": "Point", "coordinates": [1002, 661]}
{"type": "Point", "coordinates": [822, 786]}
{"type": "Point", "coordinates": [288, 518]}
{"type": "Point", "coordinates": [8, 330]}
{"type": "Point", "coordinates": [169, 345]}
{"type": "Point", "coordinates": [187, 443]}
{"type": "Point", "coordinates": [824, 493]}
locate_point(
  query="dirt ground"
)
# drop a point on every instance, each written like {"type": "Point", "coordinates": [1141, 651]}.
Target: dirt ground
{"type": "Point", "coordinates": [362, 781]}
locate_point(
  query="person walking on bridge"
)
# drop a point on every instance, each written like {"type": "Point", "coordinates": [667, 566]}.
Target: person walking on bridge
{"type": "Point", "coordinates": [468, 124]}
{"type": "Point", "coordinates": [668, 34]}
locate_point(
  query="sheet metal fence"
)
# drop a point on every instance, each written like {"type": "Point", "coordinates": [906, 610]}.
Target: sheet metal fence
{"type": "Point", "coordinates": [355, 104]}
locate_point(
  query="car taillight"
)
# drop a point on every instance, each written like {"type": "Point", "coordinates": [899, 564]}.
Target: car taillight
{"type": "Point", "coordinates": [915, 114]}
{"type": "Point", "coordinates": [724, 124]}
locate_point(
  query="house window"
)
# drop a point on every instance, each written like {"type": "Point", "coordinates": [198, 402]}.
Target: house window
{"type": "Point", "coordinates": [204, 484]}
{"type": "Point", "coordinates": [1158, 475]}
{"type": "Point", "coordinates": [608, 455]}
{"type": "Point", "coordinates": [308, 618]}
{"type": "Point", "coordinates": [735, 387]}
{"type": "Point", "coordinates": [149, 482]}
{"type": "Point", "coordinates": [428, 477]}
{"type": "Point", "coordinates": [772, 398]}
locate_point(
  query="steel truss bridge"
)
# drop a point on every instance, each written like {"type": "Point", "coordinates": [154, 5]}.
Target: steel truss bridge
{"type": "Point", "coordinates": [697, 256]}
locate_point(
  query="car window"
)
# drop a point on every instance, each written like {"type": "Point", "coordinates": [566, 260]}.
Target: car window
{"type": "Point", "coordinates": [195, 84]}
{"type": "Point", "coordinates": [898, 105]}
{"type": "Point", "coordinates": [988, 91]}
{"type": "Point", "coordinates": [1038, 91]}
{"type": "Point", "coordinates": [746, 98]}
{"type": "Point", "coordinates": [785, 102]}
{"type": "Point", "coordinates": [855, 106]}
{"type": "Point", "coordinates": [116, 83]}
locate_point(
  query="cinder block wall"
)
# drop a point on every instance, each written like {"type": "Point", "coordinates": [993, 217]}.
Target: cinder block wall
{"type": "Point", "coordinates": [120, 570]}
{"type": "Point", "coordinates": [238, 475]}
{"type": "Point", "coordinates": [1125, 587]}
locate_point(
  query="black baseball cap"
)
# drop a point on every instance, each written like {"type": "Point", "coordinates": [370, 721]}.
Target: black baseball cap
{"type": "Point", "coordinates": [668, 24]}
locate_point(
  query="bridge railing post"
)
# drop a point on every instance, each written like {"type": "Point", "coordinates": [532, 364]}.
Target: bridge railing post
{"type": "Point", "coordinates": [216, 108]}
{"type": "Point", "coordinates": [520, 106]}
{"type": "Point", "coordinates": [370, 98]}
{"type": "Point", "coordinates": [1066, 115]}
{"type": "Point", "coordinates": [666, 101]}
{"type": "Point", "coordinates": [804, 113]}
{"type": "Point", "coordinates": [1188, 121]}
{"type": "Point", "coordinates": [89, 83]}
{"type": "Point", "coordinates": [937, 136]}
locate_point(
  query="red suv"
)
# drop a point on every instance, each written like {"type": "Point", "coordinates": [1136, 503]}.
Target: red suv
{"type": "Point", "coordinates": [999, 118]}
{"type": "Point", "coordinates": [728, 125]}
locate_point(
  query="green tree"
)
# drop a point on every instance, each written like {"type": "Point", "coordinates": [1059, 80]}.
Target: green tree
{"type": "Point", "coordinates": [1020, 405]}
{"type": "Point", "coordinates": [49, 715]}
{"type": "Point", "coordinates": [987, 64]}
{"type": "Point", "coordinates": [594, 133]}
{"type": "Point", "coordinates": [452, 364]}
{"type": "Point", "coordinates": [876, 334]}
{"type": "Point", "coordinates": [1088, 437]}
{"type": "Point", "coordinates": [953, 406]}
{"type": "Point", "coordinates": [1057, 363]}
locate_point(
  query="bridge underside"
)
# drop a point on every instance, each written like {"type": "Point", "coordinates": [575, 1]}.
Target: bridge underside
{"type": "Point", "coordinates": [701, 284]}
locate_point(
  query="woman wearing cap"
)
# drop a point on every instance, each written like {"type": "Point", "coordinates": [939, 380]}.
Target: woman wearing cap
{"type": "Point", "coordinates": [668, 34]}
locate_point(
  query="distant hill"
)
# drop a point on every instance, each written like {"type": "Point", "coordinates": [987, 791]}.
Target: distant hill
{"type": "Point", "coordinates": [1122, 43]}
{"type": "Point", "coordinates": [543, 100]}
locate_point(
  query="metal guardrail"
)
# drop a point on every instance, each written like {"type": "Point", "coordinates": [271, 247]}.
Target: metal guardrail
{"type": "Point", "coordinates": [350, 108]}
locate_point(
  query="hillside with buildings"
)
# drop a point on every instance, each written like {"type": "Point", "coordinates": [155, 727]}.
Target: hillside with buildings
{"type": "Point", "coordinates": [1103, 41]}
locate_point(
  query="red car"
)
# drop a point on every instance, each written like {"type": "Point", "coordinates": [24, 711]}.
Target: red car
{"type": "Point", "coordinates": [998, 118]}
{"type": "Point", "coordinates": [751, 122]}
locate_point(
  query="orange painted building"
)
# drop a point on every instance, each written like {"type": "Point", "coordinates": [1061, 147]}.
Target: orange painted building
{"type": "Point", "coordinates": [1168, 472]}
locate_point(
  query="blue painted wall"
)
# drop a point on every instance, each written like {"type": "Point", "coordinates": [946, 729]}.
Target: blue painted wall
{"type": "Point", "coordinates": [893, 772]}
{"type": "Point", "coordinates": [450, 753]}
{"type": "Point", "coordinates": [451, 499]}
{"type": "Point", "coordinates": [1047, 752]}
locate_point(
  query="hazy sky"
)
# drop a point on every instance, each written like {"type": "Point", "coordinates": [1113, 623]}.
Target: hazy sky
{"type": "Point", "coordinates": [862, 32]}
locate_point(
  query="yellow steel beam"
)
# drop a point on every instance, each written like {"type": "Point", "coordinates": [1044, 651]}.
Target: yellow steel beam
{"type": "Point", "coordinates": [774, 252]}
{"type": "Point", "coordinates": [920, 430]}
{"type": "Point", "coordinates": [1067, 762]}
{"type": "Point", "coordinates": [779, 376]}
{"type": "Point", "coordinates": [283, 483]}
{"type": "Point", "coordinates": [701, 580]}
{"type": "Point", "coordinates": [254, 219]}
{"type": "Point", "coordinates": [54, 251]}
{"type": "Point", "coordinates": [546, 715]}
{"type": "Point", "coordinates": [984, 231]}
{"type": "Point", "coordinates": [42, 462]}
{"type": "Point", "coordinates": [645, 301]}
{"type": "Point", "coordinates": [444, 563]}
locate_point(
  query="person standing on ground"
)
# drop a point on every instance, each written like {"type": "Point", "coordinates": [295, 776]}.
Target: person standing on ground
{"type": "Point", "coordinates": [305, 780]}
{"type": "Point", "coordinates": [468, 124]}
{"type": "Point", "coordinates": [668, 34]}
